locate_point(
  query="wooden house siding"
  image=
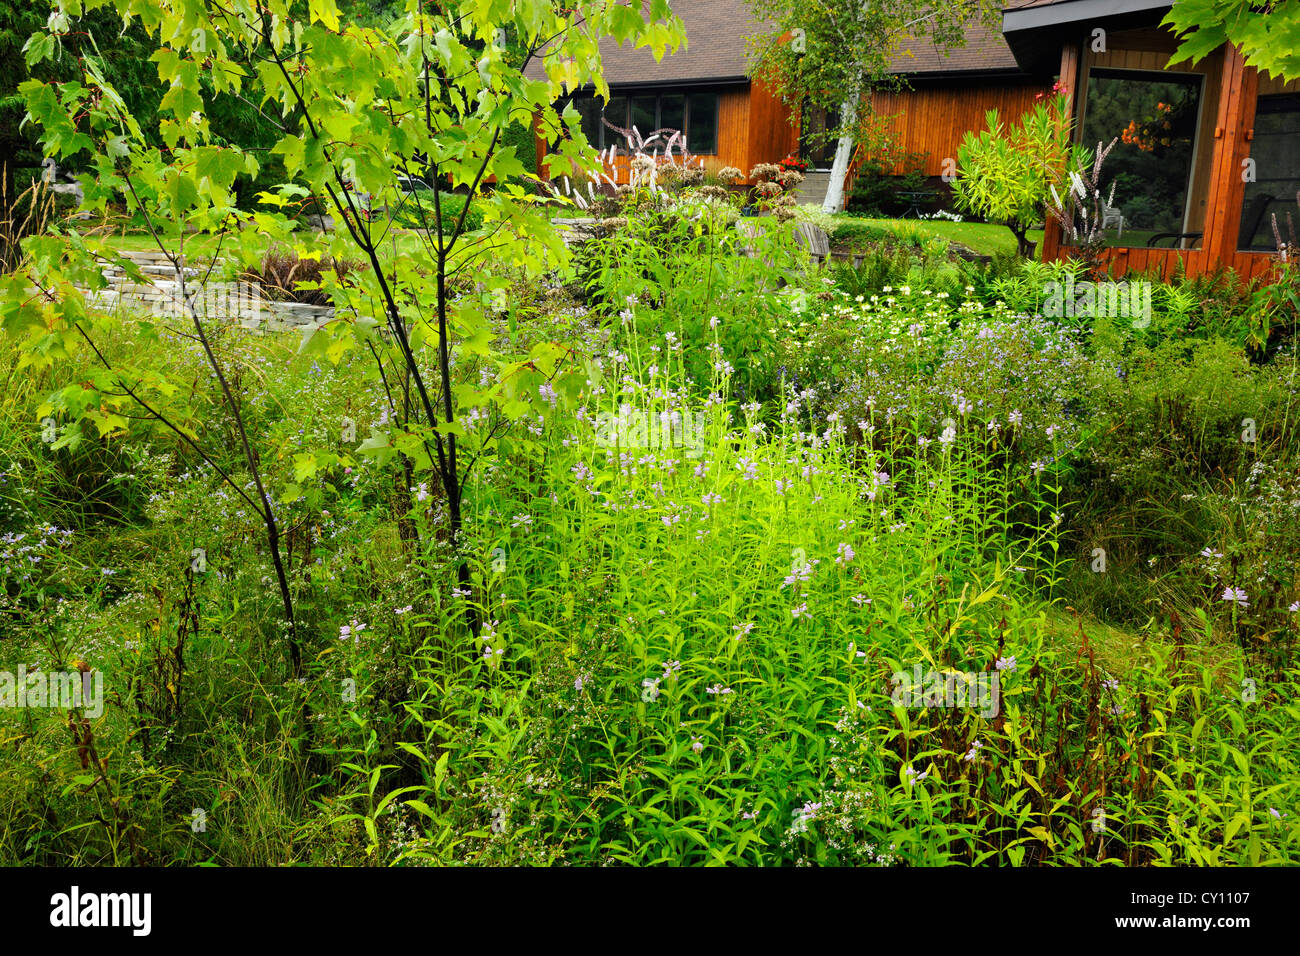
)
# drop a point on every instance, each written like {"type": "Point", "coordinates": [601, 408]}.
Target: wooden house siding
{"type": "Point", "coordinates": [771, 134]}
{"type": "Point", "coordinates": [935, 119]}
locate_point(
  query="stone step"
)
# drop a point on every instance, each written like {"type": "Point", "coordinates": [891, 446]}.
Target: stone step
{"type": "Point", "coordinates": [813, 187]}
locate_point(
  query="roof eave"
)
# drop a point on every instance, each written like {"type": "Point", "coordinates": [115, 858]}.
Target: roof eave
{"type": "Point", "coordinates": [1035, 34]}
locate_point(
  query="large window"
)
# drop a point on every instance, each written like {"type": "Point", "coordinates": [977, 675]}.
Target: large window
{"type": "Point", "coordinates": [696, 114]}
{"type": "Point", "coordinates": [1154, 115]}
{"type": "Point", "coordinates": [1273, 178]}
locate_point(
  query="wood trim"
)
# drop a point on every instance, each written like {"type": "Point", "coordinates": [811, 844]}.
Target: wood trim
{"type": "Point", "coordinates": [1227, 189]}
{"type": "Point", "coordinates": [1069, 78]}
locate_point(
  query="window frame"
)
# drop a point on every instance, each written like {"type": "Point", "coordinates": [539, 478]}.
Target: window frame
{"type": "Point", "coordinates": [1285, 98]}
{"type": "Point", "coordinates": [1194, 80]}
{"type": "Point", "coordinates": [604, 140]}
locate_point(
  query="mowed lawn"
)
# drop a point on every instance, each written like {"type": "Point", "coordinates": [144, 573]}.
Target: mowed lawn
{"type": "Point", "coordinates": [987, 239]}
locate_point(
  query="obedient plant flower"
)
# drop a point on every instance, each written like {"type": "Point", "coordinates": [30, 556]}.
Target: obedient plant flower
{"type": "Point", "coordinates": [798, 574]}
{"type": "Point", "coordinates": [803, 816]}
{"type": "Point", "coordinates": [742, 630]}
{"type": "Point", "coordinates": [798, 612]}
{"type": "Point", "coordinates": [1005, 664]}
{"type": "Point", "coordinates": [352, 631]}
{"type": "Point", "coordinates": [1237, 596]}
{"type": "Point", "coordinates": [844, 554]}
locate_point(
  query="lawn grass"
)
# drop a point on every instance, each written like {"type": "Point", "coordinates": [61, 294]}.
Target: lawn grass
{"type": "Point", "coordinates": [200, 246]}
{"type": "Point", "coordinates": [982, 237]}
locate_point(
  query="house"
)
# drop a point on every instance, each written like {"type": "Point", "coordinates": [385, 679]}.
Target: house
{"type": "Point", "coordinates": [947, 94]}
{"type": "Point", "coordinates": [731, 120]}
{"type": "Point", "coordinates": [1208, 151]}
{"type": "Point", "coordinates": [704, 90]}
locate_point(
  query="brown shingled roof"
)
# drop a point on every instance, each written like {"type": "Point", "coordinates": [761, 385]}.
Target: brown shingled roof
{"type": "Point", "coordinates": [985, 49]}
{"type": "Point", "coordinates": [716, 49]}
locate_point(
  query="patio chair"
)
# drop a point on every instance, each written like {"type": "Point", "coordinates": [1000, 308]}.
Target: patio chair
{"type": "Point", "coordinates": [1112, 214]}
{"type": "Point", "coordinates": [814, 239]}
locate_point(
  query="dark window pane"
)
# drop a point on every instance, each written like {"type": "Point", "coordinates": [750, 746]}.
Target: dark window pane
{"type": "Point", "coordinates": [590, 110]}
{"type": "Point", "coordinates": [1276, 170]}
{"type": "Point", "coordinates": [643, 114]}
{"type": "Point", "coordinates": [616, 113]}
{"type": "Point", "coordinates": [702, 122]}
{"type": "Point", "coordinates": [672, 112]}
{"type": "Point", "coordinates": [1154, 116]}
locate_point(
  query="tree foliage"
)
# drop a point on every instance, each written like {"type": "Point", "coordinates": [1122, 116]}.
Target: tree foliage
{"type": "Point", "coordinates": [1006, 172]}
{"type": "Point", "coordinates": [1268, 33]}
{"type": "Point", "coordinates": [348, 108]}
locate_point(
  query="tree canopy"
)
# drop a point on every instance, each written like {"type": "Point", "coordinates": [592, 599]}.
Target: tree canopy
{"type": "Point", "coordinates": [1268, 33]}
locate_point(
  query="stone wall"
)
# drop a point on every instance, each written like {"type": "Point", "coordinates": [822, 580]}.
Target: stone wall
{"type": "Point", "coordinates": [238, 302]}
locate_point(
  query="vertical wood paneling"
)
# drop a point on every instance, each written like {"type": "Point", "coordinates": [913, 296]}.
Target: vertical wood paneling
{"type": "Point", "coordinates": [1124, 261]}
{"type": "Point", "coordinates": [733, 131]}
{"type": "Point", "coordinates": [771, 135]}
{"type": "Point", "coordinates": [1228, 110]}
{"type": "Point", "coordinates": [1269, 85]}
{"type": "Point", "coordinates": [934, 120]}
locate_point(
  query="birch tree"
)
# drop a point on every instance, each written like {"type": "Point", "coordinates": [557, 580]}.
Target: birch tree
{"type": "Point", "coordinates": [823, 55]}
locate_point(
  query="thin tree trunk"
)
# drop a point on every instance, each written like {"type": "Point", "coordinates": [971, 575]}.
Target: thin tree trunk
{"type": "Point", "coordinates": [834, 200]}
